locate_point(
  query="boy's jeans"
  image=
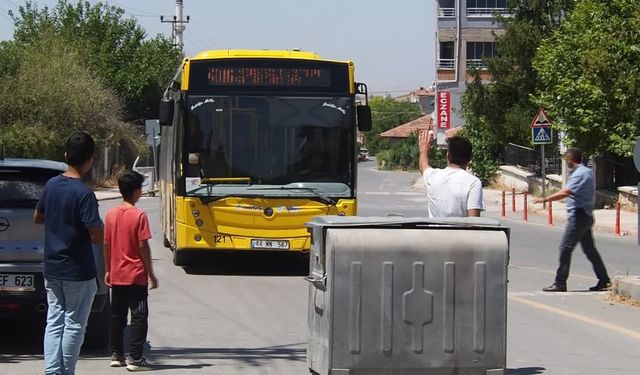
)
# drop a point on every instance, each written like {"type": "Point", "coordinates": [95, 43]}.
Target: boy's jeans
{"type": "Point", "coordinates": [69, 307]}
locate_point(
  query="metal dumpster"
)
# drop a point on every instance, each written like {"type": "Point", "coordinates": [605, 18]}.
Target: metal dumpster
{"type": "Point", "coordinates": [407, 296]}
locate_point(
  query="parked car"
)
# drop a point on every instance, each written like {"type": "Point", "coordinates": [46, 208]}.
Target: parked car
{"type": "Point", "coordinates": [22, 292]}
{"type": "Point", "coordinates": [363, 154]}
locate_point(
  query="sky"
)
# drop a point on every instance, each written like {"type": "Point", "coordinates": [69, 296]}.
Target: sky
{"type": "Point", "coordinates": [391, 42]}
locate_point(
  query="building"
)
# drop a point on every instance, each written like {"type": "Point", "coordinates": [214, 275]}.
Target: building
{"type": "Point", "coordinates": [405, 130]}
{"type": "Point", "coordinates": [465, 34]}
{"type": "Point", "coordinates": [425, 97]}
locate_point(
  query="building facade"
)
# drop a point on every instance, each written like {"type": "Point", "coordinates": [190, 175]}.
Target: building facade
{"type": "Point", "coordinates": [466, 33]}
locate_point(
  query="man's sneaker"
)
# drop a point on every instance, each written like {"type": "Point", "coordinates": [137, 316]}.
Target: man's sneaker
{"type": "Point", "coordinates": [139, 365]}
{"type": "Point", "coordinates": [601, 287]}
{"type": "Point", "coordinates": [117, 360]}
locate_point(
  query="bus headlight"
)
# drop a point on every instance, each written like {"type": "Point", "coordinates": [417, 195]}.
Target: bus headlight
{"type": "Point", "coordinates": [341, 213]}
{"type": "Point", "coordinates": [197, 238]}
{"type": "Point", "coordinates": [195, 213]}
{"type": "Point", "coordinates": [199, 222]}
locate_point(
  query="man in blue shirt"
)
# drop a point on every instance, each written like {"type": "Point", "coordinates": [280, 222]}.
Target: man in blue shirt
{"type": "Point", "coordinates": [69, 211]}
{"type": "Point", "coordinates": [580, 194]}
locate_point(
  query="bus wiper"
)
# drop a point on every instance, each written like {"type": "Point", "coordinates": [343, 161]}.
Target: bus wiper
{"type": "Point", "coordinates": [323, 198]}
{"type": "Point", "coordinates": [222, 180]}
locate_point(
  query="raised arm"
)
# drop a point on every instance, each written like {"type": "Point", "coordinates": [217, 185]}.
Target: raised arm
{"type": "Point", "coordinates": [424, 143]}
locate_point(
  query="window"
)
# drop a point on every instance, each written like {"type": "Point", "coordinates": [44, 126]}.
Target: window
{"type": "Point", "coordinates": [487, 7]}
{"type": "Point", "coordinates": [446, 8]}
{"type": "Point", "coordinates": [446, 59]}
{"type": "Point", "coordinates": [476, 51]}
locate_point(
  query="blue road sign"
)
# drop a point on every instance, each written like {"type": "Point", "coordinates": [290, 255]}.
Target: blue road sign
{"type": "Point", "coordinates": [541, 135]}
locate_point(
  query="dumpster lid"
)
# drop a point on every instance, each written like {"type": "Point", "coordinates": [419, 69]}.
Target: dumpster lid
{"type": "Point", "coordinates": [394, 221]}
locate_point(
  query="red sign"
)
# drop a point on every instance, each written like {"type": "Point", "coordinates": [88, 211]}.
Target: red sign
{"type": "Point", "coordinates": [444, 110]}
{"type": "Point", "coordinates": [541, 119]}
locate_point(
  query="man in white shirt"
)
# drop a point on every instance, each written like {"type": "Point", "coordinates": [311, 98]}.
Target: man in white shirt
{"type": "Point", "coordinates": [452, 191]}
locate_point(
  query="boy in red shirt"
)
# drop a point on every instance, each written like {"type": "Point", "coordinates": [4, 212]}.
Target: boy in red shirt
{"type": "Point", "coordinates": [127, 259]}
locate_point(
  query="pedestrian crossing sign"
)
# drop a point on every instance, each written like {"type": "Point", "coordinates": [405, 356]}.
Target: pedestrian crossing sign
{"type": "Point", "coordinates": [542, 135]}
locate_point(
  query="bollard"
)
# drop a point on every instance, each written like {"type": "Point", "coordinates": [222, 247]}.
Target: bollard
{"type": "Point", "coordinates": [550, 216]}
{"type": "Point", "coordinates": [526, 207]}
{"type": "Point", "coordinates": [504, 204]}
{"type": "Point", "coordinates": [617, 228]}
{"type": "Point", "coordinates": [513, 199]}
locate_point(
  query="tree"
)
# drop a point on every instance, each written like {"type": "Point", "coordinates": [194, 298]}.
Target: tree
{"type": "Point", "coordinates": [500, 112]}
{"type": "Point", "coordinates": [116, 48]}
{"type": "Point", "coordinates": [51, 95]}
{"type": "Point", "coordinates": [386, 114]}
{"type": "Point", "coordinates": [590, 74]}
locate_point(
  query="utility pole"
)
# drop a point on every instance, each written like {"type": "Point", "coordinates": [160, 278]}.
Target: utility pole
{"type": "Point", "coordinates": [177, 25]}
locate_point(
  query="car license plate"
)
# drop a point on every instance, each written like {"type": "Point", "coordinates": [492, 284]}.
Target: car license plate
{"type": "Point", "coordinates": [13, 282]}
{"type": "Point", "coordinates": [270, 244]}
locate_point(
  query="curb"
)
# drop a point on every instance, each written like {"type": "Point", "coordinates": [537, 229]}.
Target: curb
{"type": "Point", "coordinates": [627, 287]}
{"type": "Point", "coordinates": [151, 193]}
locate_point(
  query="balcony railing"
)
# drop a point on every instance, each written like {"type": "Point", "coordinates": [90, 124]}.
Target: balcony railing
{"type": "Point", "coordinates": [476, 63]}
{"type": "Point", "coordinates": [446, 12]}
{"type": "Point", "coordinates": [488, 12]}
{"type": "Point", "coordinates": [446, 64]}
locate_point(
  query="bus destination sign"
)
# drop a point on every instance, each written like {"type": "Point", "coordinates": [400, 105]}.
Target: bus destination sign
{"type": "Point", "coordinates": [269, 76]}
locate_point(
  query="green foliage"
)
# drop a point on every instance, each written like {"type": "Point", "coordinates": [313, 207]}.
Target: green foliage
{"type": "Point", "coordinates": [387, 114]}
{"type": "Point", "coordinates": [116, 48]}
{"type": "Point", "coordinates": [500, 112]}
{"type": "Point", "coordinates": [51, 95]}
{"type": "Point", "coordinates": [590, 74]}
{"type": "Point", "coordinates": [484, 164]}
{"type": "Point", "coordinates": [404, 155]}
{"type": "Point", "coordinates": [10, 57]}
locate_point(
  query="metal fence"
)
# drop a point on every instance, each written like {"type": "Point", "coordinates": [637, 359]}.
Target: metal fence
{"type": "Point", "coordinates": [529, 159]}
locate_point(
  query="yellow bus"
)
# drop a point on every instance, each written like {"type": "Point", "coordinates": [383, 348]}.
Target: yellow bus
{"type": "Point", "coordinates": [253, 145]}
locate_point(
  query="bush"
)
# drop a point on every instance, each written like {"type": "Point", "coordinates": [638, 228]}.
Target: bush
{"type": "Point", "coordinates": [405, 155]}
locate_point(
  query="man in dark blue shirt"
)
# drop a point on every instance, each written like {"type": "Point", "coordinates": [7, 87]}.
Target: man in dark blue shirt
{"type": "Point", "coordinates": [580, 194]}
{"type": "Point", "coordinates": [69, 211]}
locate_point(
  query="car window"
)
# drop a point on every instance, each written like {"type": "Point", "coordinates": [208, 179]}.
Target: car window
{"type": "Point", "coordinates": [22, 187]}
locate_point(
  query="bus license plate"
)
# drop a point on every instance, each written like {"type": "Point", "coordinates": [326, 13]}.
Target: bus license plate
{"type": "Point", "coordinates": [270, 244]}
{"type": "Point", "coordinates": [12, 282]}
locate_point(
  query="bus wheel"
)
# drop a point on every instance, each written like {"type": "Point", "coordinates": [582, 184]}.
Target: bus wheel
{"type": "Point", "coordinates": [167, 244]}
{"type": "Point", "coordinates": [180, 258]}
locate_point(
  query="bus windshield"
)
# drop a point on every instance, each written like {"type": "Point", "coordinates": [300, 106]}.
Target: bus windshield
{"type": "Point", "coordinates": [291, 146]}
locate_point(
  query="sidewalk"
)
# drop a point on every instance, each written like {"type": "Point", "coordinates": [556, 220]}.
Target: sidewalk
{"type": "Point", "coordinates": [605, 219]}
{"type": "Point", "coordinates": [627, 287]}
{"type": "Point", "coordinates": [104, 194]}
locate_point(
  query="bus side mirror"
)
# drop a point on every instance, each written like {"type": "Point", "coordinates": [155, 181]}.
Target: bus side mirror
{"type": "Point", "coordinates": [364, 118]}
{"type": "Point", "coordinates": [165, 115]}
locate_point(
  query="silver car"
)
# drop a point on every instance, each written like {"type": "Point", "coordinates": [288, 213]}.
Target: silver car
{"type": "Point", "coordinates": [22, 248]}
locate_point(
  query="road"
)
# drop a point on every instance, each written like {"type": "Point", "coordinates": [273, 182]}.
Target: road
{"type": "Point", "coordinates": [248, 315]}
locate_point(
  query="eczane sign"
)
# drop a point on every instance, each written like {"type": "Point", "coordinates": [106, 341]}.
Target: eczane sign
{"type": "Point", "coordinates": [444, 110]}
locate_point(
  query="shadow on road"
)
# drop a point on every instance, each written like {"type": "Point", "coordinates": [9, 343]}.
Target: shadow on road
{"type": "Point", "coordinates": [21, 338]}
{"type": "Point", "coordinates": [526, 371]}
{"type": "Point", "coordinates": [248, 264]}
{"type": "Point", "coordinates": [247, 356]}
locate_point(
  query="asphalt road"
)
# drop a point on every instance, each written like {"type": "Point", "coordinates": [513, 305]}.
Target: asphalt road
{"type": "Point", "coordinates": [247, 315]}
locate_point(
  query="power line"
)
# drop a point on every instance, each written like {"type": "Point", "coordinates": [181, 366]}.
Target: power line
{"type": "Point", "coordinates": [199, 42]}
{"type": "Point", "coordinates": [148, 14]}
{"type": "Point", "coordinates": [5, 14]}
{"type": "Point", "coordinates": [12, 3]}
{"type": "Point", "coordinates": [211, 41]}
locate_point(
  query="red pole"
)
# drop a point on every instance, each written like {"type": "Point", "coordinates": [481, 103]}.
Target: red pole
{"type": "Point", "coordinates": [550, 216]}
{"type": "Point", "coordinates": [513, 199]}
{"type": "Point", "coordinates": [617, 230]}
{"type": "Point", "coordinates": [526, 208]}
{"type": "Point", "coordinates": [504, 204]}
